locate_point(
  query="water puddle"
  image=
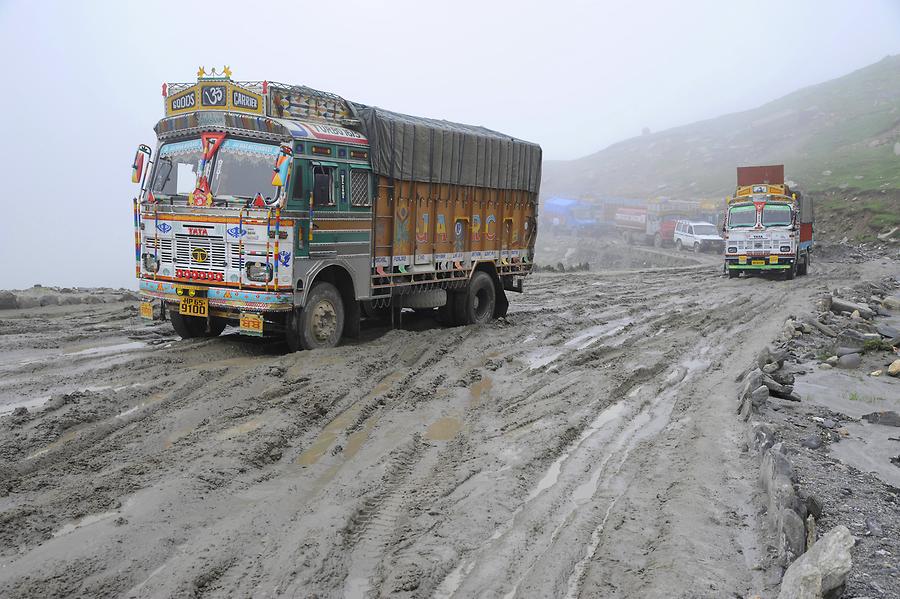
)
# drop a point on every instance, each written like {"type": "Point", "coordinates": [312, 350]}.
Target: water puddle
{"type": "Point", "coordinates": [596, 333]}
{"type": "Point", "coordinates": [542, 357]}
{"type": "Point", "coordinates": [62, 440]}
{"type": "Point", "coordinates": [82, 522]}
{"type": "Point", "coordinates": [550, 477]}
{"type": "Point", "coordinates": [443, 429]}
{"type": "Point", "coordinates": [109, 349]}
{"type": "Point", "coordinates": [479, 390]}
{"type": "Point", "coordinates": [329, 434]}
{"type": "Point", "coordinates": [240, 429]}
{"type": "Point", "coordinates": [25, 403]}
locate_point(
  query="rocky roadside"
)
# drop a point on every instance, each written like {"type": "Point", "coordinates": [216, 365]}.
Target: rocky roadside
{"type": "Point", "coordinates": [39, 296]}
{"type": "Point", "coordinates": [823, 413]}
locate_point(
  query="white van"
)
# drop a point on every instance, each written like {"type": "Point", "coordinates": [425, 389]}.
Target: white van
{"type": "Point", "coordinates": [699, 236]}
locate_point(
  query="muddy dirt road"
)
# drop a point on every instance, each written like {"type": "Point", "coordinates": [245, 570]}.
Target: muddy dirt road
{"type": "Point", "coordinates": [584, 446]}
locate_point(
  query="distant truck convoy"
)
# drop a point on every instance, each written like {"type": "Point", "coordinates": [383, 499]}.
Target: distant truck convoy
{"type": "Point", "coordinates": [283, 210]}
{"type": "Point", "coordinates": [653, 223]}
{"type": "Point", "coordinates": [768, 225]}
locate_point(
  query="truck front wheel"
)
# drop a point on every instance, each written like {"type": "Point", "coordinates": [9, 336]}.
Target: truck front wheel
{"type": "Point", "coordinates": [189, 327]}
{"type": "Point", "coordinates": [320, 322]}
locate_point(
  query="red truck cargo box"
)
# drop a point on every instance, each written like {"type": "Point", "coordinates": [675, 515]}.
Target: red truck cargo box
{"type": "Point", "coordinates": [753, 175]}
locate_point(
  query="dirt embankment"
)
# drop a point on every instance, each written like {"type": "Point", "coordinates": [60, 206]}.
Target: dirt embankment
{"type": "Point", "coordinates": [585, 445]}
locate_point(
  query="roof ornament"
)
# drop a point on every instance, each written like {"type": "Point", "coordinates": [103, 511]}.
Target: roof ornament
{"type": "Point", "coordinates": [213, 74]}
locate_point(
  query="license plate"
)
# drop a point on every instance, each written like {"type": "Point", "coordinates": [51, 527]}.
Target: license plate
{"type": "Point", "coordinates": [194, 306]}
{"type": "Point", "coordinates": [251, 324]}
{"type": "Point", "coordinates": [742, 259]}
{"type": "Point", "coordinates": [758, 262]}
{"type": "Point", "coordinates": [147, 310]}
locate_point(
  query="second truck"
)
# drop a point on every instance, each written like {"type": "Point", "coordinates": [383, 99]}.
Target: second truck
{"type": "Point", "coordinates": [768, 225]}
{"type": "Point", "coordinates": [283, 210]}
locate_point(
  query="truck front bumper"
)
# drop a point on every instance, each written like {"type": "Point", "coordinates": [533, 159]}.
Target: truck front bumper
{"type": "Point", "coordinates": [735, 262]}
{"type": "Point", "coordinates": [223, 298]}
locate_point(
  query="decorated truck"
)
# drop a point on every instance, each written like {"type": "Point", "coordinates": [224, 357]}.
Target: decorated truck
{"type": "Point", "coordinates": [768, 225]}
{"type": "Point", "coordinates": [283, 210]}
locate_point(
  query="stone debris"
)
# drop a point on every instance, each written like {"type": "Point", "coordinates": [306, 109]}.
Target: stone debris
{"type": "Point", "coordinates": [822, 571]}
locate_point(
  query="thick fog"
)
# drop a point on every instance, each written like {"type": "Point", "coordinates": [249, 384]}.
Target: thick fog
{"type": "Point", "coordinates": [84, 78]}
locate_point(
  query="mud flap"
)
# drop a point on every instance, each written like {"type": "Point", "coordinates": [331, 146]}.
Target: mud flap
{"type": "Point", "coordinates": [501, 304]}
{"type": "Point", "coordinates": [352, 315]}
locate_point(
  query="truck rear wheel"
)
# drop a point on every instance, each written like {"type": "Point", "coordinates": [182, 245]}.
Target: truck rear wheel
{"type": "Point", "coordinates": [476, 306]}
{"type": "Point", "coordinates": [320, 322]}
{"type": "Point", "coordinates": [803, 267]}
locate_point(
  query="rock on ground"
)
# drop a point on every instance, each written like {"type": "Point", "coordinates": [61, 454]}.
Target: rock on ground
{"type": "Point", "coordinates": [822, 569]}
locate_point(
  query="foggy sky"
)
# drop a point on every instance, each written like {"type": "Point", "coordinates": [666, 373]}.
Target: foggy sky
{"type": "Point", "coordinates": [83, 85]}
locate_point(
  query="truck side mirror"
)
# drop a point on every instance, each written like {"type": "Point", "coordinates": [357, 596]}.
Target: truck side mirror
{"type": "Point", "coordinates": [137, 167]}
{"type": "Point", "coordinates": [321, 189]}
{"type": "Point", "coordinates": [282, 170]}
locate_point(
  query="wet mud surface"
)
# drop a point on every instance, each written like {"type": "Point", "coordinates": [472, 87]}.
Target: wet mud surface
{"type": "Point", "coordinates": [584, 446]}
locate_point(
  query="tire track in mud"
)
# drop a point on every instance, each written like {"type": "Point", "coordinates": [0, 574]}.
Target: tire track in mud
{"type": "Point", "coordinates": [215, 499]}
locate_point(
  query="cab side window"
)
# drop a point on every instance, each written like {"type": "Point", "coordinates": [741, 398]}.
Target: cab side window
{"type": "Point", "coordinates": [323, 186]}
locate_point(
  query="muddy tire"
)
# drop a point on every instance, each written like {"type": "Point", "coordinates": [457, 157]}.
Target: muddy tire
{"type": "Point", "coordinates": [678, 245]}
{"type": "Point", "coordinates": [733, 274]}
{"type": "Point", "coordinates": [697, 248]}
{"type": "Point", "coordinates": [476, 306]}
{"type": "Point", "coordinates": [191, 327]}
{"type": "Point", "coordinates": [791, 272]}
{"type": "Point", "coordinates": [320, 322]}
{"type": "Point", "coordinates": [803, 267]}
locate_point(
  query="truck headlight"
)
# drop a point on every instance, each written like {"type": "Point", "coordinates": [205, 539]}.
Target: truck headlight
{"type": "Point", "coordinates": [785, 249]}
{"type": "Point", "coordinates": [259, 271]}
{"type": "Point", "coordinates": [151, 263]}
{"type": "Point", "coordinates": [732, 250]}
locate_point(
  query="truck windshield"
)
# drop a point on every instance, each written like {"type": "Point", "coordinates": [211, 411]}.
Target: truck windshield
{"type": "Point", "coordinates": [176, 168]}
{"type": "Point", "coordinates": [704, 230]}
{"type": "Point", "coordinates": [775, 215]}
{"type": "Point", "coordinates": [742, 216]}
{"type": "Point", "coordinates": [243, 169]}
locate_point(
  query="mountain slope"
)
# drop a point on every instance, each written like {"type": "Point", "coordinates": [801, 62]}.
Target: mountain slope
{"type": "Point", "coordinates": [844, 133]}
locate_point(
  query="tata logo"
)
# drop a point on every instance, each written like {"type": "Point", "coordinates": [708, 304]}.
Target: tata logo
{"type": "Point", "coordinates": [199, 255]}
{"type": "Point", "coordinates": [198, 231]}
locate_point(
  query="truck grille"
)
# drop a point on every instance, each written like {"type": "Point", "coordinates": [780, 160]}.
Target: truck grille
{"type": "Point", "coordinates": [200, 253]}
{"type": "Point", "coordinates": [162, 246]}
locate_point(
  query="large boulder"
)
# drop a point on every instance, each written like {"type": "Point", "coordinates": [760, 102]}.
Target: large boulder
{"type": "Point", "coordinates": [8, 300]}
{"type": "Point", "coordinates": [839, 305]}
{"type": "Point", "coordinates": [829, 557]}
{"type": "Point", "coordinates": [849, 361]}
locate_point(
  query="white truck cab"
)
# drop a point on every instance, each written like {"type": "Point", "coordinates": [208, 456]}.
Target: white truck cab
{"type": "Point", "coordinates": [699, 236]}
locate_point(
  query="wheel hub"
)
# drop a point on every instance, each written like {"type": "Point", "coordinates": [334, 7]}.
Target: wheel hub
{"type": "Point", "coordinates": [324, 320]}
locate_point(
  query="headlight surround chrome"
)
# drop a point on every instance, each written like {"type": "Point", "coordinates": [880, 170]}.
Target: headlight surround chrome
{"type": "Point", "coordinates": [151, 263]}
{"type": "Point", "coordinates": [259, 272]}
{"type": "Point", "coordinates": [785, 249]}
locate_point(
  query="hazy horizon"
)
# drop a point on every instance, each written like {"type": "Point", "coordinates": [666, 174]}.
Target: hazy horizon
{"type": "Point", "coordinates": [572, 76]}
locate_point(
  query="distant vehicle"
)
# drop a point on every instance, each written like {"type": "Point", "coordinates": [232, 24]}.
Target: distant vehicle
{"type": "Point", "coordinates": [568, 215]}
{"type": "Point", "coordinates": [283, 210]}
{"type": "Point", "coordinates": [699, 236]}
{"type": "Point", "coordinates": [768, 225]}
{"type": "Point", "coordinates": [650, 225]}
